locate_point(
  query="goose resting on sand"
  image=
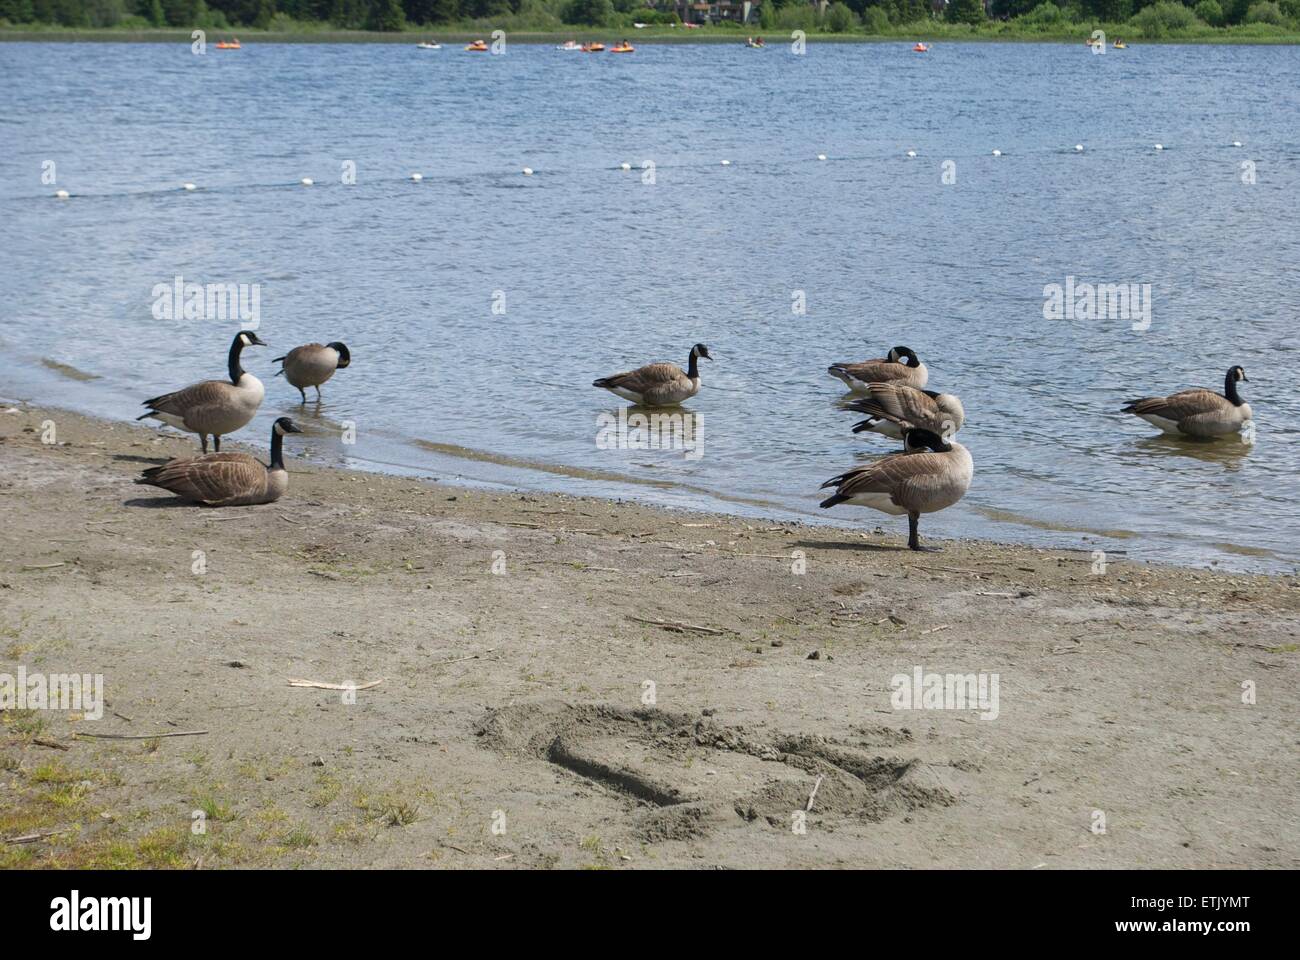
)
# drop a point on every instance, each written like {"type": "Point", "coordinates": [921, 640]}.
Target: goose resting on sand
{"type": "Point", "coordinates": [227, 479]}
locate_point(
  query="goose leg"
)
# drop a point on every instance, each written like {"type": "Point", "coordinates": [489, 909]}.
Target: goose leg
{"type": "Point", "coordinates": [203, 439]}
{"type": "Point", "coordinates": [318, 394]}
{"type": "Point", "coordinates": [913, 542]}
{"type": "Point", "coordinates": [216, 442]}
{"type": "Point", "coordinates": [304, 395]}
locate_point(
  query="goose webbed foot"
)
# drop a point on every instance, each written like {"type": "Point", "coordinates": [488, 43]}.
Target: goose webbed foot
{"type": "Point", "coordinates": [914, 541]}
{"type": "Point", "coordinates": [304, 396]}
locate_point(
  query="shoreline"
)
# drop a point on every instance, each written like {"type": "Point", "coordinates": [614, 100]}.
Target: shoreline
{"type": "Point", "coordinates": [621, 686]}
{"type": "Point", "coordinates": [484, 469]}
{"type": "Point", "coordinates": [531, 38]}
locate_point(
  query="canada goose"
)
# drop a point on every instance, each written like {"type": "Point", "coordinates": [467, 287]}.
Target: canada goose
{"type": "Point", "coordinates": [910, 483]}
{"type": "Point", "coordinates": [902, 365]}
{"type": "Point", "coordinates": [658, 384]}
{"type": "Point", "coordinates": [226, 479]}
{"type": "Point", "coordinates": [312, 364]}
{"type": "Point", "coordinates": [1199, 412]}
{"type": "Point", "coordinates": [213, 406]}
{"type": "Point", "coordinates": [893, 407]}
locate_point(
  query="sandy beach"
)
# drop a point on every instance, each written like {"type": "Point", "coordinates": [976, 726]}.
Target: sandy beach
{"type": "Point", "coordinates": [567, 682]}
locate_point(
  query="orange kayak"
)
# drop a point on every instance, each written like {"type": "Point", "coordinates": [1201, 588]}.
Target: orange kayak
{"type": "Point", "coordinates": [920, 48]}
{"type": "Point", "coordinates": [228, 46]}
{"type": "Point", "coordinates": [478, 46]}
{"type": "Point", "coordinates": [622, 49]}
{"type": "Point", "coordinates": [593, 48]}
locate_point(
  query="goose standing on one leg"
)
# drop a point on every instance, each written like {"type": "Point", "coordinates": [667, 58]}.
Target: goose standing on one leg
{"type": "Point", "coordinates": [658, 384]}
{"type": "Point", "coordinates": [312, 364]}
{"type": "Point", "coordinates": [227, 479]}
{"type": "Point", "coordinates": [1198, 412]}
{"type": "Point", "coordinates": [901, 365]}
{"type": "Point", "coordinates": [215, 407]}
{"type": "Point", "coordinates": [891, 408]}
{"type": "Point", "coordinates": [910, 483]}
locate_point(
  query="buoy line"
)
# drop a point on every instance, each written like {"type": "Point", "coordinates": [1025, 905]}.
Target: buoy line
{"type": "Point", "coordinates": [908, 154]}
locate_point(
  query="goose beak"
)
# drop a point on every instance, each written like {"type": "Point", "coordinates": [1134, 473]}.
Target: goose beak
{"type": "Point", "coordinates": [255, 340]}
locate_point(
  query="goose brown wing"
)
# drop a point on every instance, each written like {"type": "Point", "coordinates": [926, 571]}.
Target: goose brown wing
{"type": "Point", "coordinates": [644, 378]}
{"type": "Point", "coordinates": [196, 397]}
{"type": "Point", "coordinates": [211, 478]}
{"type": "Point", "coordinates": [868, 371]}
{"type": "Point", "coordinates": [1179, 406]}
{"type": "Point", "coordinates": [889, 474]}
{"type": "Point", "coordinates": [900, 403]}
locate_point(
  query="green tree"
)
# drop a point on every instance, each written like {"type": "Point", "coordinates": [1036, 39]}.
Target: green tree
{"type": "Point", "coordinates": [594, 13]}
{"type": "Point", "coordinates": [840, 19]}
{"type": "Point", "coordinates": [1210, 12]}
{"type": "Point", "coordinates": [1266, 12]}
{"type": "Point", "coordinates": [386, 16]}
{"type": "Point", "coordinates": [875, 21]}
{"type": "Point", "coordinates": [965, 11]}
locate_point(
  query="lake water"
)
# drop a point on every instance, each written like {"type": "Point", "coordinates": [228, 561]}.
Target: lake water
{"type": "Point", "coordinates": [598, 270]}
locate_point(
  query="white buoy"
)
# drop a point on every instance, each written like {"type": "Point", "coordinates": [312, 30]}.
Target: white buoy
{"type": "Point", "coordinates": [997, 153]}
{"type": "Point", "coordinates": [61, 194]}
{"type": "Point", "coordinates": [1160, 146]}
{"type": "Point", "coordinates": [417, 177]}
{"type": "Point", "coordinates": [188, 186]}
{"type": "Point", "coordinates": [307, 181]}
{"type": "Point", "coordinates": [528, 171]}
{"type": "Point", "coordinates": [625, 166]}
{"type": "Point", "coordinates": [726, 163]}
{"type": "Point", "coordinates": [1236, 143]}
{"type": "Point", "coordinates": [1078, 148]}
{"type": "Point", "coordinates": [821, 156]}
{"type": "Point", "coordinates": [911, 153]}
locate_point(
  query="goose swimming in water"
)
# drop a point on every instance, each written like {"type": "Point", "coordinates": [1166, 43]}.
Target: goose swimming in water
{"type": "Point", "coordinates": [893, 407]}
{"type": "Point", "coordinates": [312, 364]}
{"type": "Point", "coordinates": [902, 365]}
{"type": "Point", "coordinates": [227, 479]}
{"type": "Point", "coordinates": [215, 407]}
{"type": "Point", "coordinates": [658, 384]}
{"type": "Point", "coordinates": [1198, 412]}
{"type": "Point", "coordinates": [934, 477]}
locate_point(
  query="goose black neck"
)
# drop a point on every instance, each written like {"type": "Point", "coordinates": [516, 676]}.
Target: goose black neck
{"type": "Point", "coordinates": [1230, 389]}
{"type": "Point", "coordinates": [236, 370]}
{"type": "Point", "coordinates": [277, 449]}
{"type": "Point", "coordinates": [693, 370]}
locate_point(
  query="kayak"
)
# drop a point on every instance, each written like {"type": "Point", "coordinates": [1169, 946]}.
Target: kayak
{"type": "Point", "coordinates": [593, 48]}
{"type": "Point", "coordinates": [478, 46]}
{"type": "Point", "coordinates": [223, 45]}
{"type": "Point", "coordinates": [569, 45]}
{"type": "Point", "coordinates": [920, 48]}
{"type": "Point", "coordinates": [429, 46]}
{"type": "Point", "coordinates": [1120, 45]}
{"type": "Point", "coordinates": [622, 49]}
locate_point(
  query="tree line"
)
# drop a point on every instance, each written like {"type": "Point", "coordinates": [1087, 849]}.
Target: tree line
{"type": "Point", "coordinates": [844, 15]}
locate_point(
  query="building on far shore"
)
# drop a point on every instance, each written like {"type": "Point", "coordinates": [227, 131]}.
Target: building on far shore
{"type": "Point", "coordinates": [694, 11]}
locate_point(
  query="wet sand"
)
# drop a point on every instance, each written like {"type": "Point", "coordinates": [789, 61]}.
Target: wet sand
{"type": "Point", "coordinates": [532, 714]}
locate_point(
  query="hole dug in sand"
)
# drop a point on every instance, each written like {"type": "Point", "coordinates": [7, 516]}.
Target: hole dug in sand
{"type": "Point", "coordinates": [692, 775]}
